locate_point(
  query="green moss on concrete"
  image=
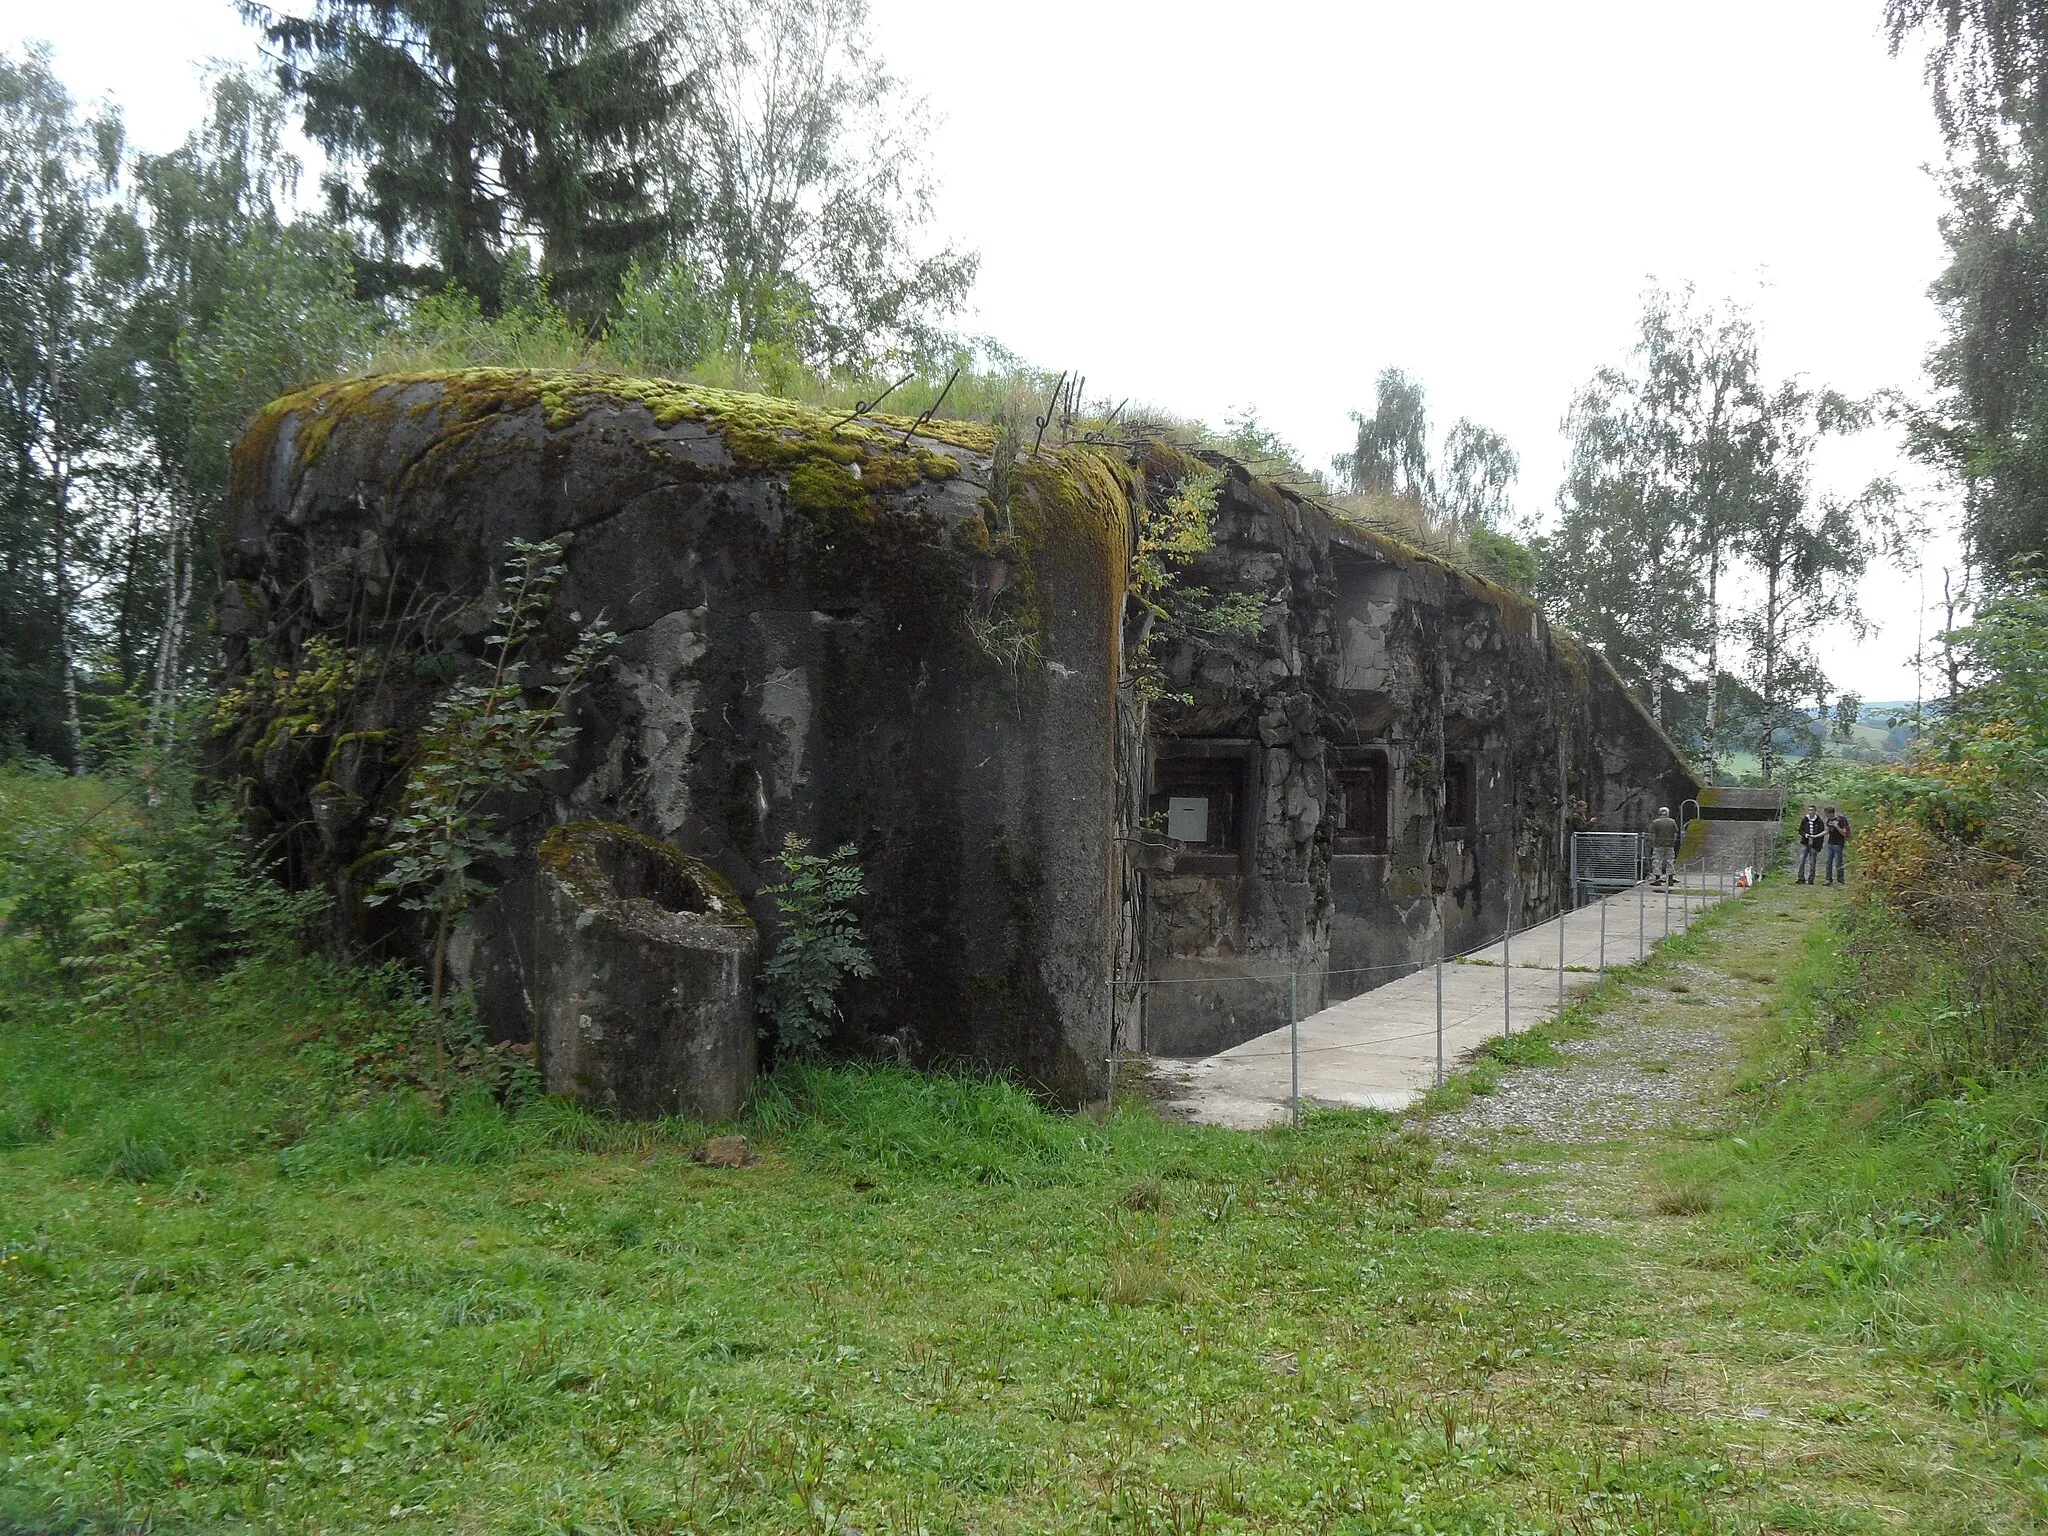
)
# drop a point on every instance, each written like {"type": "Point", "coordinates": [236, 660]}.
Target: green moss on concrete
{"type": "Point", "coordinates": [759, 431]}
{"type": "Point", "coordinates": [1072, 504]}
{"type": "Point", "coordinates": [971, 535]}
{"type": "Point", "coordinates": [274, 705]}
{"type": "Point", "coordinates": [824, 489]}
{"type": "Point", "coordinates": [570, 852]}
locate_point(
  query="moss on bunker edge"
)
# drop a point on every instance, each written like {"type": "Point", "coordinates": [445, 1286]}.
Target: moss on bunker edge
{"type": "Point", "coordinates": [570, 852]}
{"type": "Point", "coordinates": [759, 431]}
{"type": "Point", "coordinates": [1070, 516]}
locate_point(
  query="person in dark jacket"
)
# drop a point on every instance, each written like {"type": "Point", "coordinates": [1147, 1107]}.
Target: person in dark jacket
{"type": "Point", "coordinates": [1813, 836]}
{"type": "Point", "coordinates": [1838, 847]}
{"type": "Point", "coordinates": [1663, 847]}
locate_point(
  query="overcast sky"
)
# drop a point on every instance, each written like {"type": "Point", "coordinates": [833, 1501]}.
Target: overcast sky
{"type": "Point", "coordinates": [1211, 207]}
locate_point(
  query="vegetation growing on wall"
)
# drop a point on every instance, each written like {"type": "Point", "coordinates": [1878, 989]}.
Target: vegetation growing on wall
{"type": "Point", "coordinates": [483, 742]}
{"type": "Point", "coordinates": [818, 944]}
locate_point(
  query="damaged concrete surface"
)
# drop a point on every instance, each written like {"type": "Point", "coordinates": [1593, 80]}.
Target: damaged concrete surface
{"type": "Point", "coordinates": [797, 602]}
{"type": "Point", "coordinates": [643, 977]}
{"type": "Point", "coordinates": [1317, 750]}
{"type": "Point", "coordinates": [1405, 740]}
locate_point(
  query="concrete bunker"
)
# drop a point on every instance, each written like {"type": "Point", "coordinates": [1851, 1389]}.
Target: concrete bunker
{"type": "Point", "coordinates": [1386, 766]}
{"type": "Point", "coordinates": [868, 631]}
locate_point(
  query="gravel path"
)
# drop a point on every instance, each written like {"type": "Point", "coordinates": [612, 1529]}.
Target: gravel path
{"type": "Point", "coordinates": [1657, 1060]}
{"type": "Point", "coordinates": [1653, 1067]}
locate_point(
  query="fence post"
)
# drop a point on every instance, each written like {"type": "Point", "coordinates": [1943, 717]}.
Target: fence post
{"type": "Point", "coordinates": [1439, 1010]}
{"type": "Point", "coordinates": [1114, 1044]}
{"type": "Point", "coordinates": [1294, 1040]}
{"type": "Point", "coordinates": [1667, 909]}
{"type": "Point", "coordinates": [1642, 917]}
{"type": "Point", "coordinates": [1603, 939]}
{"type": "Point", "coordinates": [1560, 957]}
{"type": "Point", "coordinates": [1507, 966]}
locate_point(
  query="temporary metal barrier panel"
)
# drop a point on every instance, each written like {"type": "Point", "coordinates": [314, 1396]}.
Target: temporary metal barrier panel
{"type": "Point", "coordinates": [1606, 861]}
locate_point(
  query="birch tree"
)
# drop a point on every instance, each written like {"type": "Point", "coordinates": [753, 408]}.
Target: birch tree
{"type": "Point", "coordinates": [801, 160]}
{"type": "Point", "coordinates": [1391, 454]}
{"type": "Point", "coordinates": [1479, 469]}
{"type": "Point", "coordinates": [56, 172]}
{"type": "Point", "coordinates": [241, 304]}
{"type": "Point", "coordinates": [1987, 70]}
{"type": "Point", "coordinates": [1705, 410]}
{"type": "Point", "coordinates": [1617, 568]}
{"type": "Point", "coordinates": [1808, 553]}
{"type": "Point", "coordinates": [1667, 452]}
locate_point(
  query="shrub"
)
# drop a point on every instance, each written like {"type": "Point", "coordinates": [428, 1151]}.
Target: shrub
{"type": "Point", "coordinates": [818, 947]}
{"type": "Point", "coordinates": [150, 893]}
{"type": "Point", "coordinates": [483, 741]}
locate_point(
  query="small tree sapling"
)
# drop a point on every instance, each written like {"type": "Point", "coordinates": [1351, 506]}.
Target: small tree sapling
{"type": "Point", "coordinates": [483, 741]}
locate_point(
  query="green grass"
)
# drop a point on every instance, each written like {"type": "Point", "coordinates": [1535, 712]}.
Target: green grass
{"type": "Point", "coordinates": [1907, 1208]}
{"type": "Point", "coordinates": [250, 1277]}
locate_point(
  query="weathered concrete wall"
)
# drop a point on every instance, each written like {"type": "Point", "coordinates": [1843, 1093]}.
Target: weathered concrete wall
{"type": "Point", "coordinates": [861, 632]}
{"type": "Point", "coordinates": [827, 629]}
{"type": "Point", "coordinates": [1371, 658]}
{"type": "Point", "coordinates": [643, 977]}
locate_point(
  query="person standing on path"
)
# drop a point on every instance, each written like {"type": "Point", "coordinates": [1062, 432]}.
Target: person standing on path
{"type": "Point", "coordinates": [1580, 820]}
{"type": "Point", "coordinates": [1813, 836]}
{"type": "Point", "coordinates": [1838, 847]}
{"type": "Point", "coordinates": [1663, 847]}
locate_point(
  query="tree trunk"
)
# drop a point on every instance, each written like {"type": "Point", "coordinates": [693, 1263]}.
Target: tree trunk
{"type": "Point", "coordinates": [1711, 736]}
{"type": "Point", "coordinates": [124, 623]}
{"type": "Point", "coordinates": [1656, 588]}
{"type": "Point", "coordinates": [468, 261]}
{"type": "Point", "coordinates": [60, 550]}
{"type": "Point", "coordinates": [170, 644]}
{"type": "Point", "coordinates": [1951, 664]}
{"type": "Point", "coordinates": [1711, 507]}
{"type": "Point", "coordinates": [1766, 750]}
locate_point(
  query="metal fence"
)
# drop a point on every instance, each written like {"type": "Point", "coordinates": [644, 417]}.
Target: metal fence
{"type": "Point", "coordinates": [1609, 867]}
{"type": "Point", "coordinates": [1606, 861]}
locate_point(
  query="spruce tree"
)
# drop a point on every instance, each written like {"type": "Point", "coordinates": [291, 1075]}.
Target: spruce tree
{"type": "Point", "coordinates": [461, 129]}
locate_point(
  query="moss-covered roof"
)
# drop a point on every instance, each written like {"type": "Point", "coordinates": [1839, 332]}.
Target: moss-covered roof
{"type": "Point", "coordinates": [809, 442]}
{"type": "Point", "coordinates": [762, 431]}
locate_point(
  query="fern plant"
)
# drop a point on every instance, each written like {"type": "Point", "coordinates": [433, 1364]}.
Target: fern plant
{"type": "Point", "coordinates": [819, 946]}
{"type": "Point", "coordinates": [484, 740]}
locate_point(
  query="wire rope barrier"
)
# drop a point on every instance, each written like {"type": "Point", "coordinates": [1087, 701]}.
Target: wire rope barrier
{"type": "Point", "coordinates": [1693, 900]}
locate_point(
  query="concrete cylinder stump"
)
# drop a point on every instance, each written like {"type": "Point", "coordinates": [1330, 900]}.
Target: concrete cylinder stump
{"type": "Point", "coordinates": [643, 988]}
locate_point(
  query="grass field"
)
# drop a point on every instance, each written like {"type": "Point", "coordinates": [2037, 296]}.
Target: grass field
{"type": "Point", "coordinates": [244, 1283]}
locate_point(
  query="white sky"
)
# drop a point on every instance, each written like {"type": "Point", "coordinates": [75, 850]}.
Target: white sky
{"type": "Point", "coordinates": [1210, 206]}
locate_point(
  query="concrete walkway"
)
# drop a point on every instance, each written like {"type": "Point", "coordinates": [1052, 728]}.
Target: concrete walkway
{"type": "Point", "coordinates": [1378, 1050]}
